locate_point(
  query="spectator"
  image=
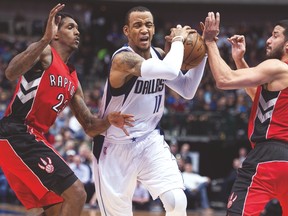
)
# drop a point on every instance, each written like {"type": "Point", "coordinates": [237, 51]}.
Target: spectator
{"type": "Point", "coordinates": [83, 172]}
{"type": "Point", "coordinates": [76, 128]}
{"type": "Point", "coordinates": [185, 152]}
{"type": "Point", "coordinates": [188, 155]}
{"type": "Point", "coordinates": [69, 156]}
{"type": "Point", "coordinates": [180, 162]}
{"type": "Point", "coordinates": [230, 178]}
{"type": "Point", "coordinates": [59, 144]}
{"type": "Point", "coordinates": [242, 155]}
{"type": "Point", "coordinates": [196, 187]}
{"type": "Point", "coordinates": [80, 169]}
{"type": "Point", "coordinates": [141, 198]}
{"type": "Point", "coordinates": [174, 148]}
{"type": "Point", "coordinates": [86, 155]}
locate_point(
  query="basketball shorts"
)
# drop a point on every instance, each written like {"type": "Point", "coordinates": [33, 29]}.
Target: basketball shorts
{"type": "Point", "coordinates": [35, 171]}
{"type": "Point", "coordinates": [117, 167]}
{"type": "Point", "coordinates": [263, 176]}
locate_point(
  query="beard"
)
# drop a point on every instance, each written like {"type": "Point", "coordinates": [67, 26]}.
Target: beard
{"type": "Point", "coordinates": [276, 53]}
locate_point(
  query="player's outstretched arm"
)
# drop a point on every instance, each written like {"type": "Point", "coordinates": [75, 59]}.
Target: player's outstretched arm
{"type": "Point", "coordinates": [268, 71]}
{"type": "Point", "coordinates": [93, 125]}
{"type": "Point", "coordinates": [24, 61]}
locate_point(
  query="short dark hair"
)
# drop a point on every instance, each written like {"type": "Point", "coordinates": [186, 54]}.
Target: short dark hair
{"type": "Point", "coordinates": [284, 24]}
{"type": "Point", "coordinates": [62, 15]}
{"type": "Point", "coordinates": [188, 160]}
{"type": "Point", "coordinates": [135, 9]}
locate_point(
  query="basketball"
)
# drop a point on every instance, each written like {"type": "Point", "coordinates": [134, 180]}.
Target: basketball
{"type": "Point", "coordinates": [194, 51]}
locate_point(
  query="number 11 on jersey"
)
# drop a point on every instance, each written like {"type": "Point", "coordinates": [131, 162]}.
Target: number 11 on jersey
{"type": "Point", "coordinates": [158, 99]}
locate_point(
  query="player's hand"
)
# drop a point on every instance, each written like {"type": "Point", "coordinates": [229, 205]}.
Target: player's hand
{"type": "Point", "coordinates": [178, 31]}
{"type": "Point", "coordinates": [211, 27]}
{"type": "Point", "coordinates": [238, 46]}
{"type": "Point", "coordinates": [202, 26]}
{"type": "Point", "coordinates": [181, 32]}
{"type": "Point", "coordinates": [53, 22]}
{"type": "Point", "coordinates": [120, 120]}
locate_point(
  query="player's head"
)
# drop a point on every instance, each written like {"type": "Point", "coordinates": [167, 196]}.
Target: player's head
{"type": "Point", "coordinates": [139, 28]}
{"type": "Point", "coordinates": [62, 16]}
{"type": "Point", "coordinates": [277, 44]}
{"type": "Point", "coordinates": [284, 25]}
{"type": "Point", "coordinates": [68, 32]}
{"type": "Point", "coordinates": [135, 9]}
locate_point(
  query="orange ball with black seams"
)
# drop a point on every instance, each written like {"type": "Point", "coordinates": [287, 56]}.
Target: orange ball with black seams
{"type": "Point", "coordinates": [194, 51]}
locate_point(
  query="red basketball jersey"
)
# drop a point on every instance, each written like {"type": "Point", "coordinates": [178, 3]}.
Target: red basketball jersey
{"type": "Point", "coordinates": [269, 116]}
{"type": "Point", "coordinates": [41, 95]}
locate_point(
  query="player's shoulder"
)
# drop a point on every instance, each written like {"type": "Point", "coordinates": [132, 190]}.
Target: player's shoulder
{"type": "Point", "coordinates": [277, 73]}
{"type": "Point", "coordinates": [274, 66]}
{"type": "Point", "coordinates": [46, 57]}
{"type": "Point", "coordinates": [274, 62]}
{"type": "Point", "coordinates": [47, 50]}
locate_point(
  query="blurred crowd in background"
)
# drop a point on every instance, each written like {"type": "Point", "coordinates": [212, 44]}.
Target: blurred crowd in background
{"type": "Point", "coordinates": [213, 114]}
{"type": "Point", "coordinates": [100, 38]}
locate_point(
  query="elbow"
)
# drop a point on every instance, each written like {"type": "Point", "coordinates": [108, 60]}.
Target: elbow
{"type": "Point", "coordinates": [222, 84]}
{"type": "Point", "coordinates": [90, 133]}
{"type": "Point", "coordinates": [188, 96]}
{"type": "Point", "coordinates": [9, 75]}
{"type": "Point", "coordinates": [219, 85]}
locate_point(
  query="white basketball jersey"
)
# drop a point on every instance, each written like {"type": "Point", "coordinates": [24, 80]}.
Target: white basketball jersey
{"type": "Point", "coordinates": [142, 97]}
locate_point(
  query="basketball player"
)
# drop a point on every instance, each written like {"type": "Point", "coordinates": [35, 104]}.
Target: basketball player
{"type": "Point", "coordinates": [264, 173]}
{"type": "Point", "coordinates": [47, 84]}
{"type": "Point", "coordinates": [137, 79]}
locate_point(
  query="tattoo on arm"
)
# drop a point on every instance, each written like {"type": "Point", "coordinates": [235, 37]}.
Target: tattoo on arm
{"type": "Point", "coordinates": [132, 62]}
{"type": "Point", "coordinates": [81, 111]}
{"type": "Point", "coordinates": [91, 123]}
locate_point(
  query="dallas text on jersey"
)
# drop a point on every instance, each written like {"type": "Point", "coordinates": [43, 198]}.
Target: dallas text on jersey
{"type": "Point", "coordinates": [149, 86]}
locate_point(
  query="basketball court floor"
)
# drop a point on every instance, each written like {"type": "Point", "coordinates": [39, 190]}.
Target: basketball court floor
{"type": "Point", "coordinates": [16, 210]}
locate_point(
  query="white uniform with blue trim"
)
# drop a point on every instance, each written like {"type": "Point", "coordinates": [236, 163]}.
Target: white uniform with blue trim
{"type": "Point", "coordinates": [142, 97]}
{"type": "Point", "coordinates": [120, 160]}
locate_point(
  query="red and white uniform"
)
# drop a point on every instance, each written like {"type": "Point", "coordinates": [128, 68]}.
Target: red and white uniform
{"type": "Point", "coordinates": [264, 173]}
{"type": "Point", "coordinates": [40, 97]}
{"type": "Point", "coordinates": [35, 172]}
{"type": "Point", "coordinates": [269, 116]}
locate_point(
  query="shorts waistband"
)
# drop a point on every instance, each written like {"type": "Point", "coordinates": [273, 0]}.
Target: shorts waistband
{"type": "Point", "coordinates": [134, 139]}
{"type": "Point", "coordinates": [272, 142]}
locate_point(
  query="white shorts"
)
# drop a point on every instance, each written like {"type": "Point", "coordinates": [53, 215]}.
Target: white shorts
{"type": "Point", "coordinates": [121, 165]}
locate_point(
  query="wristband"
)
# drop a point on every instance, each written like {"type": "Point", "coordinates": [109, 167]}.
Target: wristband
{"type": "Point", "coordinates": [176, 37]}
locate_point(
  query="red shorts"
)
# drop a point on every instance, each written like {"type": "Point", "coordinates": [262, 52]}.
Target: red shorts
{"type": "Point", "coordinates": [35, 171]}
{"type": "Point", "coordinates": [263, 176]}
